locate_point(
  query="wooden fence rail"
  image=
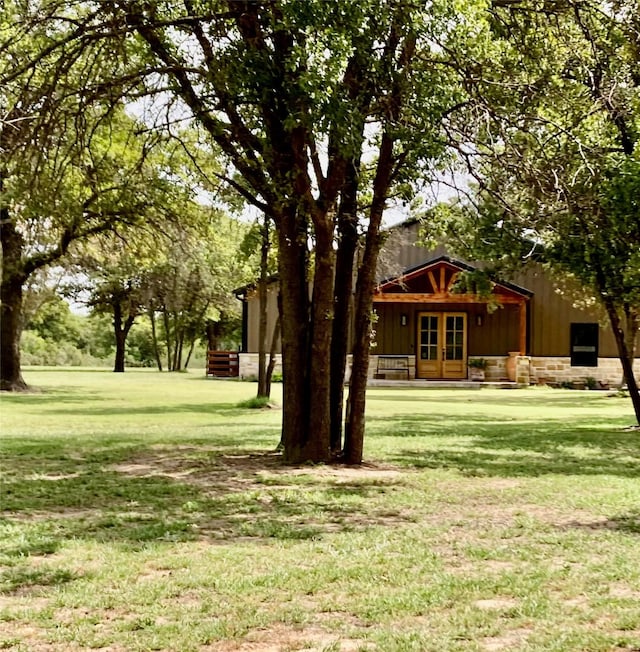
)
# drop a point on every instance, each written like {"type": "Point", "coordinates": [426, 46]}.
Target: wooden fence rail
{"type": "Point", "coordinates": [223, 364]}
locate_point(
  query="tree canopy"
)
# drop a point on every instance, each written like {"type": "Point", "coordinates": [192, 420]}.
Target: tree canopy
{"type": "Point", "coordinates": [550, 133]}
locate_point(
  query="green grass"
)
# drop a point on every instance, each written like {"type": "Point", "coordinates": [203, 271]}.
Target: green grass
{"type": "Point", "coordinates": [148, 511]}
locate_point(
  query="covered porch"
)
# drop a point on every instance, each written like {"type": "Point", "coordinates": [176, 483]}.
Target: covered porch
{"type": "Point", "coordinates": [424, 316]}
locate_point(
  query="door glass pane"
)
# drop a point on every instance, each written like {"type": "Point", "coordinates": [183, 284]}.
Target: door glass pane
{"type": "Point", "coordinates": [454, 337]}
{"type": "Point", "coordinates": [429, 338]}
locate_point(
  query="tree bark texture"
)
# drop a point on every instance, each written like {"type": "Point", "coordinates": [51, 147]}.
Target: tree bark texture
{"type": "Point", "coordinates": [121, 328]}
{"type": "Point", "coordinates": [306, 340]}
{"type": "Point", "coordinates": [262, 301]}
{"type": "Point", "coordinates": [272, 357]}
{"type": "Point", "coordinates": [625, 357]}
{"type": "Point", "coordinates": [345, 258]}
{"type": "Point", "coordinates": [320, 340]}
{"type": "Point", "coordinates": [355, 420]}
{"type": "Point", "coordinates": [11, 300]}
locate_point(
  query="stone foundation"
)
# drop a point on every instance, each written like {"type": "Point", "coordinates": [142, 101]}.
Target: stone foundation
{"type": "Point", "coordinates": [528, 370]}
{"type": "Point", "coordinates": [559, 370]}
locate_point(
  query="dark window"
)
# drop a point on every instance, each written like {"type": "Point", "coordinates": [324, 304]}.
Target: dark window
{"type": "Point", "coordinates": [584, 345]}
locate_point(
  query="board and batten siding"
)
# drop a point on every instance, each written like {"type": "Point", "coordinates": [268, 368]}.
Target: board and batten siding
{"type": "Point", "coordinates": [497, 335]}
{"type": "Point", "coordinates": [551, 316]}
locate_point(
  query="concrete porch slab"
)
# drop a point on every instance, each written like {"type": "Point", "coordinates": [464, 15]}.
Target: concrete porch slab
{"type": "Point", "coordinates": [443, 384]}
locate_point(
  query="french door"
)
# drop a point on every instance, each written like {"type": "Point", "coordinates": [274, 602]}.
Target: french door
{"type": "Point", "coordinates": [442, 345]}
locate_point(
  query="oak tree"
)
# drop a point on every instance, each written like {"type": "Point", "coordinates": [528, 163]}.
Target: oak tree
{"type": "Point", "coordinates": [554, 118]}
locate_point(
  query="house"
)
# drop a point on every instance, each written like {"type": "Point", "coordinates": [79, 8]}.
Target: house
{"type": "Point", "coordinates": [426, 328]}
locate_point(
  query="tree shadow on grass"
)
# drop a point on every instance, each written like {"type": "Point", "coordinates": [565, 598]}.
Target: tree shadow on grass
{"type": "Point", "coordinates": [187, 493]}
{"type": "Point", "coordinates": [515, 448]}
{"type": "Point", "coordinates": [18, 578]}
{"type": "Point", "coordinates": [62, 394]}
{"type": "Point", "coordinates": [228, 409]}
{"type": "Point", "coordinates": [512, 398]}
{"type": "Point", "coordinates": [628, 523]}
{"type": "Point", "coordinates": [73, 403]}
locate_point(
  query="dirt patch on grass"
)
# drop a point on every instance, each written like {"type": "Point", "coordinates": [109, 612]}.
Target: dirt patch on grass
{"type": "Point", "coordinates": [344, 473]}
{"type": "Point", "coordinates": [508, 641]}
{"type": "Point", "coordinates": [499, 604]}
{"type": "Point", "coordinates": [258, 495]}
{"type": "Point", "coordinates": [282, 637]}
{"type": "Point", "coordinates": [208, 467]}
{"type": "Point", "coordinates": [624, 591]}
{"type": "Point", "coordinates": [19, 601]}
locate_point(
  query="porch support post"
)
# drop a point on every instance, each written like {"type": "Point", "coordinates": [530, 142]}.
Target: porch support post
{"type": "Point", "coordinates": [523, 328]}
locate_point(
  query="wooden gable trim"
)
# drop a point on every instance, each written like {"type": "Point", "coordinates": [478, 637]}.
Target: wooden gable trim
{"type": "Point", "coordinates": [429, 269]}
{"type": "Point", "coordinates": [432, 279]}
{"type": "Point", "coordinates": [436, 273]}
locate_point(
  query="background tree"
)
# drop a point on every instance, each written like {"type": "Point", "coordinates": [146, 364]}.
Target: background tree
{"type": "Point", "coordinates": [50, 195]}
{"type": "Point", "coordinates": [555, 118]}
{"type": "Point", "coordinates": [70, 167]}
{"type": "Point", "coordinates": [259, 238]}
{"type": "Point", "coordinates": [79, 341]}
{"type": "Point", "coordinates": [177, 270]}
{"type": "Point", "coordinates": [117, 290]}
{"type": "Point", "coordinates": [191, 284]}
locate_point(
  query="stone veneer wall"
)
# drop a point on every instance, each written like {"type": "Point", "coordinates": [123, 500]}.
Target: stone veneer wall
{"type": "Point", "coordinates": [557, 370]}
{"type": "Point", "coordinates": [529, 370]}
{"type": "Point", "coordinates": [249, 365]}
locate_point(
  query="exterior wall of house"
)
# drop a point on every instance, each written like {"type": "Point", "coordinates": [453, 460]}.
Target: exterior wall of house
{"type": "Point", "coordinates": [549, 345]}
{"type": "Point", "coordinates": [252, 323]}
{"type": "Point", "coordinates": [550, 314]}
{"type": "Point", "coordinates": [528, 370]}
{"type": "Point", "coordinates": [545, 370]}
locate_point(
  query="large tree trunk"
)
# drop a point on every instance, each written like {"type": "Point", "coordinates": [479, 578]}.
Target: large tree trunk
{"type": "Point", "coordinates": [347, 246]}
{"type": "Point", "coordinates": [272, 357]}
{"type": "Point", "coordinates": [626, 358]}
{"type": "Point", "coordinates": [305, 352]}
{"type": "Point", "coordinates": [320, 350]}
{"type": "Point", "coordinates": [355, 419]}
{"type": "Point", "coordinates": [118, 366]}
{"type": "Point", "coordinates": [11, 298]}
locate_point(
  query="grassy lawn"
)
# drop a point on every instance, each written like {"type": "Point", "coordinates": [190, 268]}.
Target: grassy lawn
{"type": "Point", "coordinates": [146, 511]}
